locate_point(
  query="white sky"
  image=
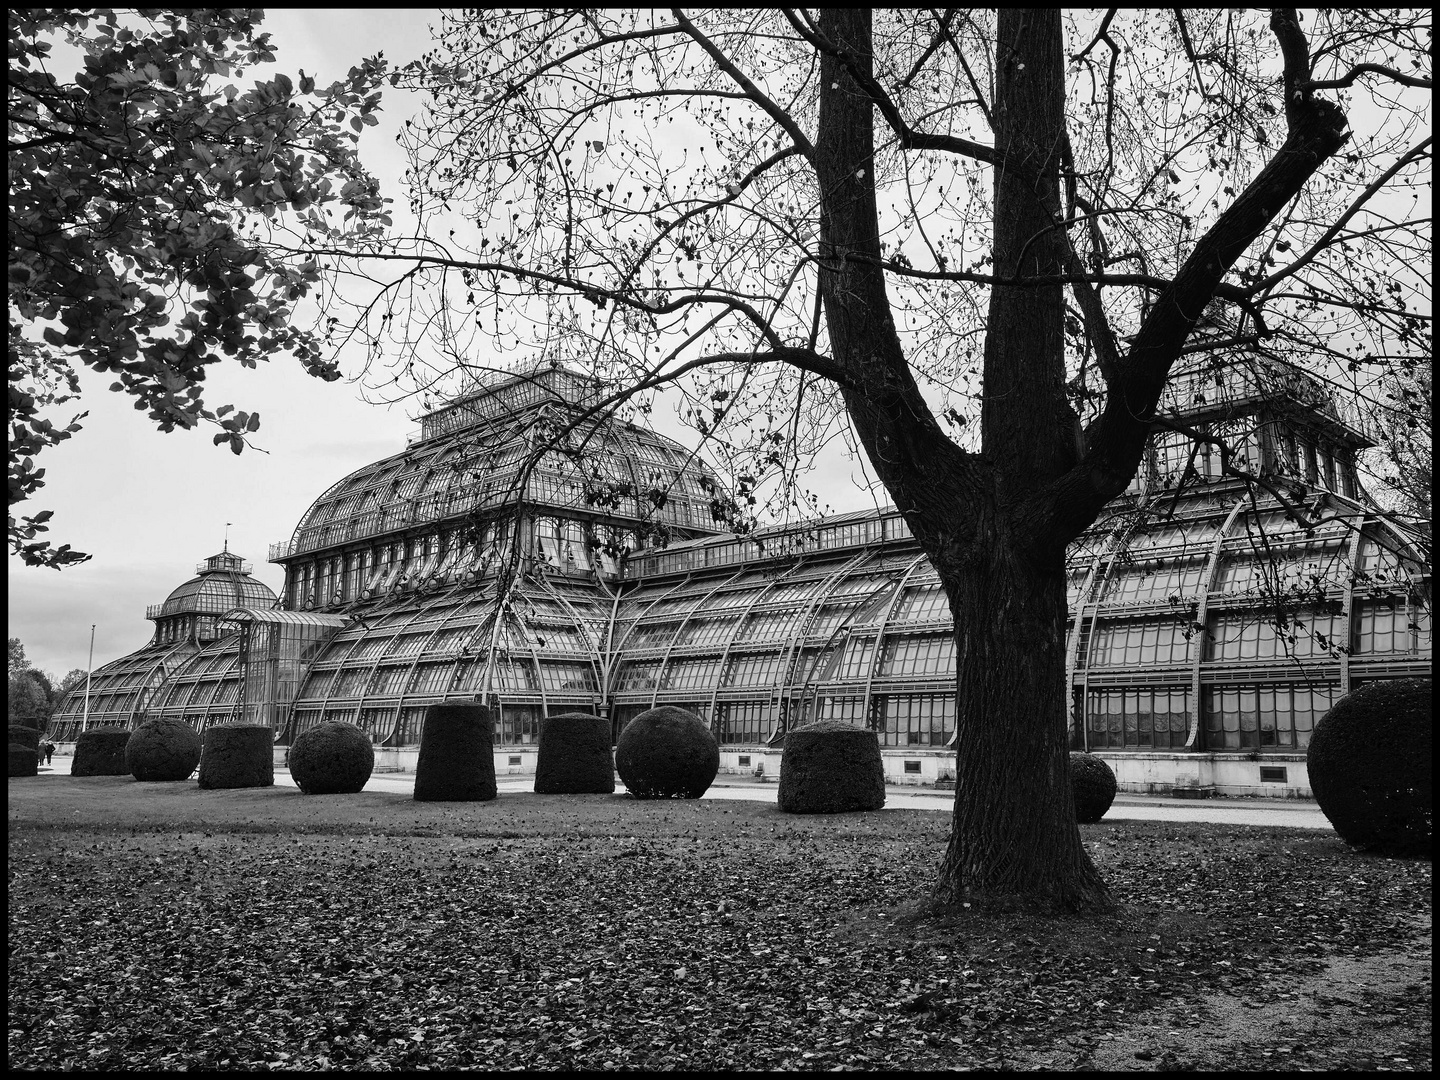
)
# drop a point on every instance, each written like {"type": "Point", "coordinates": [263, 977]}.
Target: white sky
{"type": "Point", "coordinates": [149, 506]}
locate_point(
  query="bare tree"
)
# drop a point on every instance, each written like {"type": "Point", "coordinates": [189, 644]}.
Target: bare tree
{"type": "Point", "coordinates": [888, 219]}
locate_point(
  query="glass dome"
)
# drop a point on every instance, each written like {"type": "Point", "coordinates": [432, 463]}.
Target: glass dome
{"type": "Point", "coordinates": [486, 453]}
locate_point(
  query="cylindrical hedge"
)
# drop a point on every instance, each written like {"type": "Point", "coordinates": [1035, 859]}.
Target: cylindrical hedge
{"type": "Point", "coordinates": [24, 760]}
{"type": "Point", "coordinates": [1370, 766]}
{"type": "Point", "coordinates": [574, 756]}
{"type": "Point", "coordinates": [830, 767]}
{"type": "Point", "coordinates": [25, 736]}
{"type": "Point", "coordinates": [1092, 783]}
{"type": "Point", "coordinates": [457, 754]}
{"type": "Point", "coordinates": [333, 758]}
{"type": "Point", "coordinates": [237, 756]}
{"type": "Point", "coordinates": [101, 752]}
{"type": "Point", "coordinates": [667, 753]}
{"type": "Point", "coordinates": [163, 749]}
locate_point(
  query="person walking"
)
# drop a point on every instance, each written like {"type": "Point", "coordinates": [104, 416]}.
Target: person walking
{"type": "Point", "coordinates": [49, 750]}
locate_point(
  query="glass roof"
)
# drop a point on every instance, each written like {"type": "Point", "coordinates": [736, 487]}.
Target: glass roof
{"type": "Point", "coordinates": [596, 467]}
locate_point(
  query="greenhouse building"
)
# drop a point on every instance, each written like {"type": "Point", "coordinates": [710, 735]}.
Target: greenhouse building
{"type": "Point", "coordinates": [522, 553]}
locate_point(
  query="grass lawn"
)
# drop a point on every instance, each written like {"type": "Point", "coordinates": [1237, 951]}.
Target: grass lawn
{"type": "Point", "coordinates": [161, 926]}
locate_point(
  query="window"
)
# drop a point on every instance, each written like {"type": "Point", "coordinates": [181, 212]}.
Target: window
{"type": "Point", "coordinates": [1248, 635]}
{"type": "Point", "coordinates": [519, 724]}
{"type": "Point", "coordinates": [1260, 717]}
{"type": "Point", "coordinates": [1391, 625]}
{"type": "Point", "coordinates": [1137, 718]}
{"type": "Point", "coordinates": [1135, 641]}
{"type": "Point", "coordinates": [923, 604]}
{"type": "Point", "coordinates": [752, 669]}
{"type": "Point", "coordinates": [691, 673]}
{"type": "Point", "coordinates": [913, 719]}
{"type": "Point", "coordinates": [742, 723]}
{"type": "Point", "coordinates": [930, 654]}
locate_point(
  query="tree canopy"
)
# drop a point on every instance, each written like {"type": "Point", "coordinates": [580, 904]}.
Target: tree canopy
{"type": "Point", "coordinates": [976, 245]}
{"type": "Point", "coordinates": [143, 190]}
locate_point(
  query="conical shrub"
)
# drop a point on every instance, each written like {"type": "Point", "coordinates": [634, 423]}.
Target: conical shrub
{"type": "Point", "coordinates": [101, 752]}
{"type": "Point", "coordinates": [574, 756]}
{"type": "Point", "coordinates": [457, 754]}
{"type": "Point", "coordinates": [238, 756]}
{"type": "Point", "coordinates": [830, 767]}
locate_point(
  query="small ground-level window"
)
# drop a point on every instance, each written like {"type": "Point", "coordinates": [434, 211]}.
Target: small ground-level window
{"type": "Point", "coordinates": [912, 766]}
{"type": "Point", "coordinates": [1272, 774]}
{"type": "Point", "coordinates": [514, 759]}
{"type": "Point", "coordinates": [744, 761]}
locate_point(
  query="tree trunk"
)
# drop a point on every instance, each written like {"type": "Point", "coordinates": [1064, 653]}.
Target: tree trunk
{"type": "Point", "coordinates": [1014, 835]}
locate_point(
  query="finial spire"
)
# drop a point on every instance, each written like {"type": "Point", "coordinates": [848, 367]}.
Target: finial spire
{"type": "Point", "coordinates": [227, 536]}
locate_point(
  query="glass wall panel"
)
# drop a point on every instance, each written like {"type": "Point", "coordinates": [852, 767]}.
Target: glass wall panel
{"type": "Point", "coordinates": [1122, 717]}
{"type": "Point", "coordinates": [1249, 635]}
{"type": "Point", "coordinates": [1131, 642]}
{"type": "Point", "coordinates": [1269, 717]}
{"type": "Point", "coordinates": [917, 654]}
{"type": "Point", "coordinates": [744, 723]}
{"type": "Point", "coordinates": [913, 719]}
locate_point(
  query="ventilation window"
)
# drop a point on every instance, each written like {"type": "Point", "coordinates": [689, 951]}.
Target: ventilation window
{"type": "Point", "coordinates": [912, 766]}
{"type": "Point", "coordinates": [514, 759]}
{"type": "Point", "coordinates": [744, 761]}
{"type": "Point", "coordinates": [1272, 774]}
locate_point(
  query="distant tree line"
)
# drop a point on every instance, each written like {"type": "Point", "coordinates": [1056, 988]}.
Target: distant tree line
{"type": "Point", "coordinates": [34, 694]}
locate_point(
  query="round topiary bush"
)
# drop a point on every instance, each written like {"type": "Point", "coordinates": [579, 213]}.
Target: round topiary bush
{"type": "Point", "coordinates": [163, 749]}
{"type": "Point", "coordinates": [574, 756]}
{"type": "Point", "coordinates": [1092, 783]}
{"type": "Point", "coordinates": [457, 754]}
{"type": "Point", "coordinates": [333, 758]}
{"type": "Point", "coordinates": [667, 753]}
{"type": "Point", "coordinates": [238, 755]}
{"type": "Point", "coordinates": [830, 767]}
{"type": "Point", "coordinates": [101, 752]}
{"type": "Point", "coordinates": [1370, 766]}
{"type": "Point", "coordinates": [24, 761]}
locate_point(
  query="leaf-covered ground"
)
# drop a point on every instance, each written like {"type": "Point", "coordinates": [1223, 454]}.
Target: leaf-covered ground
{"type": "Point", "coordinates": [158, 926]}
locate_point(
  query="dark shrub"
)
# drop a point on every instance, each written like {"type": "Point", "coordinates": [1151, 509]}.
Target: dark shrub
{"type": "Point", "coordinates": [1093, 785]}
{"type": "Point", "coordinates": [24, 761]}
{"type": "Point", "coordinates": [238, 755]}
{"type": "Point", "coordinates": [829, 767]}
{"type": "Point", "coordinates": [457, 754]}
{"type": "Point", "coordinates": [163, 749]}
{"type": "Point", "coordinates": [574, 756]}
{"type": "Point", "coordinates": [101, 752]}
{"type": "Point", "coordinates": [25, 736]}
{"type": "Point", "coordinates": [1370, 767]}
{"type": "Point", "coordinates": [667, 753]}
{"type": "Point", "coordinates": [333, 758]}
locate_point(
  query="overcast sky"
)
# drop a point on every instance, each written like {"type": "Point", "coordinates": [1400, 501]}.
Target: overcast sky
{"type": "Point", "coordinates": [149, 506]}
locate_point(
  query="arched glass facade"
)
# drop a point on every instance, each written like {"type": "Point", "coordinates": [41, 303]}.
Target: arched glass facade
{"type": "Point", "coordinates": [484, 563]}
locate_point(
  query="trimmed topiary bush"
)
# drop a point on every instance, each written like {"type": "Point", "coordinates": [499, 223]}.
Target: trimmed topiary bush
{"type": "Point", "coordinates": [667, 753]}
{"type": "Point", "coordinates": [1092, 783]}
{"type": "Point", "coordinates": [24, 761]}
{"type": "Point", "coordinates": [457, 754]}
{"type": "Point", "coordinates": [333, 758]}
{"type": "Point", "coordinates": [574, 756]}
{"type": "Point", "coordinates": [163, 749]}
{"type": "Point", "coordinates": [101, 752]}
{"type": "Point", "coordinates": [25, 736]}
{"type": "Point", "coordinates": [1370, 767]}
{"type": "Point", "coordinates": [238, 755]}
{"type": "Point", "coordinates": [830, 767]}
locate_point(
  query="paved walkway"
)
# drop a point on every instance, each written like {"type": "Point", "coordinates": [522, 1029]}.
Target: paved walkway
{"type": "Point", "coordinates": [1296, 813]}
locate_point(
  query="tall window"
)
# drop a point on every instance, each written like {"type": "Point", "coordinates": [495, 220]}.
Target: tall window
{"type": "Point", "coordinates": [1264, 717]}
{"type": "Point", "coordinates": [1122, 717]}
